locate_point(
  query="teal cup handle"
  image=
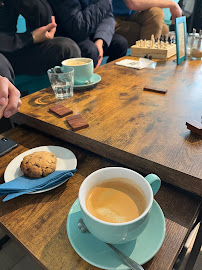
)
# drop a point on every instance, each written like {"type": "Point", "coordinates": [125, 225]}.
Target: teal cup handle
{"type": "Point", "coordinates": [57, 68]}
{"type": "Point", "coordinates": [154, 181]}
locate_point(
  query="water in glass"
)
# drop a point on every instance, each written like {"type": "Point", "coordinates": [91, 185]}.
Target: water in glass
{"type": "Point", "coordinates": [63, 90]}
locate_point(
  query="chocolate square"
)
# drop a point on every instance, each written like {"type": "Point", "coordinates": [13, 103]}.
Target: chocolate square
{"type": "Point", "coordinates": [76, 122]}
{"type": "Point", "coordinates": [60, 110]}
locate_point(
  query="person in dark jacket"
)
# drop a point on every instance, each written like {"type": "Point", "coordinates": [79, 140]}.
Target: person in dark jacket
{"type": "Point", "coordinates": [90, 23]}
{"type": "Point", "coordinates": [36, 50]}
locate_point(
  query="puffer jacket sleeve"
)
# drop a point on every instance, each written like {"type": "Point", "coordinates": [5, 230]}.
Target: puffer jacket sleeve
{"type": "Point", "coordinates": [78, 22]}
{"type": "Point", "coordinates": [105, 30]}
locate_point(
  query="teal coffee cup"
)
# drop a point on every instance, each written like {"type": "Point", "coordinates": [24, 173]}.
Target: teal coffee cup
{"type": "Point", "coordinates": [116, 232]}
{"type": "Point", "coordinates": [83, 69]}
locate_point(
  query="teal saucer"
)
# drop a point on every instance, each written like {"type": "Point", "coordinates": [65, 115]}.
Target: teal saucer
{"type": "Point", "coordinates": [95, 78]}
{"type": "Point", "coordinates": [97, 253]}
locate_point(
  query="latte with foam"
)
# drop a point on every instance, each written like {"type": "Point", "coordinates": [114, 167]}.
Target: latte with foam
{"type": "Point", "coordinates": [116, 201]}
{"type": "Point", "coordinates": [75, 63]}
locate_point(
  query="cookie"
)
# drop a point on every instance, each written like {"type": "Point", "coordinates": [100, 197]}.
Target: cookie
{"type": "Point", "coordinates": [38, 164]}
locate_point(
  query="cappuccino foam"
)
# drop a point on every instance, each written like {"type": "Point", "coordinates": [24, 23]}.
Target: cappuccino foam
{"type": "Point", "coordinates": [116, 201]}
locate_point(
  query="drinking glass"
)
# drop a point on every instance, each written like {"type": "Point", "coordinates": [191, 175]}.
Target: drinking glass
{"type": "Point", "coordinates": [61, 82]}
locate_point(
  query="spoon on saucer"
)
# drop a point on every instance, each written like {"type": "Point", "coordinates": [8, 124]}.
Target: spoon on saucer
{"type": "Point", "coordinates": [128, 261]}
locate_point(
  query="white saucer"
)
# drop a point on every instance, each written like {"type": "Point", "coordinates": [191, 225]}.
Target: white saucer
{"type": "Point", "coordinates": [66, 160]}
{"type": "Point", "coordinates": [93, 80]}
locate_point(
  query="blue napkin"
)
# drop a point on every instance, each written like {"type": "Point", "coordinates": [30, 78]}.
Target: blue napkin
{"type": "Point", "coordinates": [23, 185]}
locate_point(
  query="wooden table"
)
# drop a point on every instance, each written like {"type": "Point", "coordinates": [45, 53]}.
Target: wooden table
{"type": "Point", "coordinates": [38, 221]}
{"type": "Point", "coordinates": [143, 130]}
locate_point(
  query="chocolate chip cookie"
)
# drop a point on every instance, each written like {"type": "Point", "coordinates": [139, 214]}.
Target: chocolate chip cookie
{"type": "Point", "coordinates": [38, 164]}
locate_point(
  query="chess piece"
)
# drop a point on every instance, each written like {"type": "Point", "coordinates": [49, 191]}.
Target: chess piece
{"type": "Point", "coordinates": [152, 41]}
{"type": "Point", "coordinates": [141, 43]}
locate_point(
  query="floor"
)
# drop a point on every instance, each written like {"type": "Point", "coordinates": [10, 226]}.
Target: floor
{"type": "Point", "coordinates": [13, 257]}
{"type": "Point", "coordinates": [188, 247]}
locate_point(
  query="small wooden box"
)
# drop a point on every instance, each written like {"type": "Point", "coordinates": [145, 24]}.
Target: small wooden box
{"type": "Point", "coordinates": [156, 53]}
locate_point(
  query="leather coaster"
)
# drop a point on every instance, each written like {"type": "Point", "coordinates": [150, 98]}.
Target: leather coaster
{"type": "Point", "coordinates": [76, 122]}
{"type": "Point", "coordinates": [155, 89]}
{"type": "Point", "coordinates": [60, 110]}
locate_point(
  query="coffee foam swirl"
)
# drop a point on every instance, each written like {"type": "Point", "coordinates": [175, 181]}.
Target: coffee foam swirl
{"type": "Point", "coordinates": [111, 215]}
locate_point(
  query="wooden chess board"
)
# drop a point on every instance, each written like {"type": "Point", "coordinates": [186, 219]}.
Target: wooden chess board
{"type": "Point", "coordinates": [161, 50]}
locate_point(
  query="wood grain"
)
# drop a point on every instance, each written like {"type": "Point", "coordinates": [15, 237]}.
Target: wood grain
{"type": "Point", "coordinates": [38, 221]}
{"type": "Point", "coordinates": [143, 130]}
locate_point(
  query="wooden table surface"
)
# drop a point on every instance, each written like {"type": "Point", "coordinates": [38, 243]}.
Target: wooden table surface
{"type": "Point", "coordinates": [38, 221]}
{"type": "Point", "coordinates": [143, 130]}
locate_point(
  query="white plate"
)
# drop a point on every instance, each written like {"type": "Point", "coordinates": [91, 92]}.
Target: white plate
{"type": "Point", "coordinates": [66, 160]}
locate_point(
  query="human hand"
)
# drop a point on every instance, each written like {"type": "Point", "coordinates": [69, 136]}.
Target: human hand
{"type": "Point", "coordinates": [45, 32]}
{"type": "Point", "coordinates": [175, 11]}
{"type": "Point", "coordinates": [99, 45]}
{"type": "Point", "coordinates": [9, 98]}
